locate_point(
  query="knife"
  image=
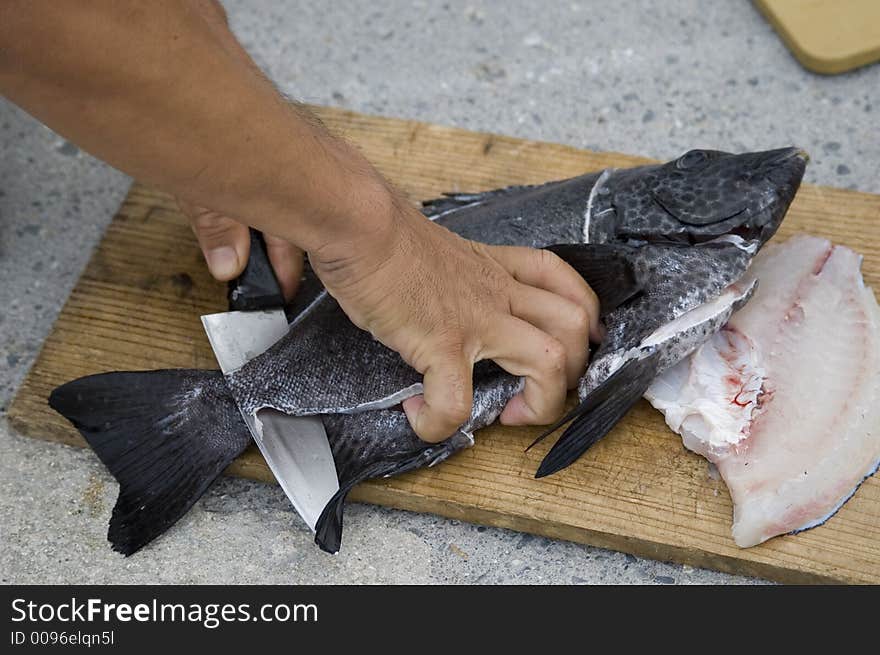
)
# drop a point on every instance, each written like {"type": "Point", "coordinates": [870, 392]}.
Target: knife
{"type": "Point", "coordinates": [295, 447]}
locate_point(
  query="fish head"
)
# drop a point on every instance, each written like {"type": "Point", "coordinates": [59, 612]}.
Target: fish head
{"type": "Point", "coordinates": [701, 196]}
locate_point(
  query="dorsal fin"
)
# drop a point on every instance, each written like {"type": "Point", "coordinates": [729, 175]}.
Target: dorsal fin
{"type": "Point", "coordinates": [451, 202]}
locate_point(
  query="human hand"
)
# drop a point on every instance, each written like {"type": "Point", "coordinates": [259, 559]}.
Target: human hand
{"type": "Point", "coordinates": [444, 303]}
{"type": "Point", "coordinates": [226, 243]}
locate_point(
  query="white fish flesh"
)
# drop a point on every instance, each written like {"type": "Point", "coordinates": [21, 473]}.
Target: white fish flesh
{"type": "Point", "coordinates": [785, 399]}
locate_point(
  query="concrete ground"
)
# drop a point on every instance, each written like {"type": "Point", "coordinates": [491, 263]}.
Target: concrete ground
{"type": "Point", "coordinates": [635, 76]}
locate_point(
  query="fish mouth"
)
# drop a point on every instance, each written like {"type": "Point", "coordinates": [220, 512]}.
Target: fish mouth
{"type": "Point", "coordinates": [793, 151]}
{"type": "Point", "coordinates": [780, 155]}
{"type": "Point", "coordinates": [747, 234]}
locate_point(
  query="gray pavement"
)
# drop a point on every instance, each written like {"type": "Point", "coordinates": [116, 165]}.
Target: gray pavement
{"type": "Point", "coordinates": [637, 76]}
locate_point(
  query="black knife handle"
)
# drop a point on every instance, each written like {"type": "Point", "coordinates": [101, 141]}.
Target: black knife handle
{"type": "Point", "coordinates": [256, 287]}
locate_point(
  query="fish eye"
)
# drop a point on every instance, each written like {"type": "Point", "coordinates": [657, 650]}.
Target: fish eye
{"type": "Point", "coordinates": [691, 159]}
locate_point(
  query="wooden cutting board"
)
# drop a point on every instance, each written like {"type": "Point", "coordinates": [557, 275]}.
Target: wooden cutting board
{"type": "Point", "coordinates": [137, 306]}
{"type": "Point", "coordinates": [827, 36]}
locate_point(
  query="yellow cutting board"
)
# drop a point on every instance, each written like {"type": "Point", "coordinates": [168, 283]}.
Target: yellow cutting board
{"type": "Point", "coordinates": [137, 306]}
{"type": "Point", "coordinates": [827, 36]}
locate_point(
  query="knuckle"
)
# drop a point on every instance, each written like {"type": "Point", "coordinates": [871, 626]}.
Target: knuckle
{"type": "Point", "coordinates": [549, 260]}
{"type": "Point", "coordinates": [496, 282]}
{"type": "Point", "coordinates": [554, 356]}
{"type": "Point", "coordinates": [210, 225]}
{"type": "Point", "coordinates": [539, 415]}
{"type": "Point", "coordinates": [480, 249]}
{"type": "Point", "coordinates": [272, 240]}
{"type": "Point", "coordinates": [202, 219]}
{"type": "Point", "coordinates": [579, 318]}
{"type": "Point", "coordinates": [430, 434]}
{"type": "Point", "coordinates": [453, 340]}
{"type": "Point", "coordinates": [591, 301]}
{"type": "Point", "coordinates": [547, 414]}
{"type": "Point", "coordinates": [457, 411]}
{"type": "Point", "coordinates": [450, 345]}
{"type": "Point", "coordinates": [546, 410]}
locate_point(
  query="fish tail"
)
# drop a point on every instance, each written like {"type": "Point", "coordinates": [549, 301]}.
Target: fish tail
{"type": "Point", "coordinates": [164, 435]}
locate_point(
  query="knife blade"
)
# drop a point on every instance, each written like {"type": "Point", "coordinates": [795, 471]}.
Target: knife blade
{"type": "Point", "coordinates": [295, 447]}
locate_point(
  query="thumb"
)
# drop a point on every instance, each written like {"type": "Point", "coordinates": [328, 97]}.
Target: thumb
{"type": "Point", "coordinates": [225, 243]}
{"type": "Point", "coordinates": [447, 399]}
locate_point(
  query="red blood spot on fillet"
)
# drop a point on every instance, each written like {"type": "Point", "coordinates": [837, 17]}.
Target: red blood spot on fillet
{"type": "Point", "coordinates": [732, 381]}
{"type": "Point", "coordinates": [820, 263]}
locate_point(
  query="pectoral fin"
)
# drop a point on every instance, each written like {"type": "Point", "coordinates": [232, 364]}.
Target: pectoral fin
{"type": "Point", "coordinates": [605, 268]}
{"type": "Point", "coordinates": [600, 411]}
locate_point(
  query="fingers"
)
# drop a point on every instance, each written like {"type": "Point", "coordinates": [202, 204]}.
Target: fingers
{"type": "Point", "coordinates": [522, 349]}
{"type": "Point", "coordinates": [544, 339]}
{"type": "Point", "coordinates": [546, 270]}
{"type": "Point", "coordinates": [225, 243]}
{"type": "Point", "coordinates": [448, 394]}
{"type": "Point", "coordinates": [566, 321]}
{"type": "Point", "coordinates": [287, 262]}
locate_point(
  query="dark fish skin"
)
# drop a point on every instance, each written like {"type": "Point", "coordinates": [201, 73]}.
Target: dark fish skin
{"type": "Point", "coordinates": [698, 197]}
{"type": "Point", "coordinates": [702, 195]}
{"type": "Point", "coordinates": [646, 220]}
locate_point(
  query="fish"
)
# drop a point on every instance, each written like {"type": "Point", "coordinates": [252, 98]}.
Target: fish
{"type": "Point", "coordinates": [785, 399]}
{"type": "Point", "coordinates": [686, 294]}
{"type": "Point", "coordinates": [654, 241]}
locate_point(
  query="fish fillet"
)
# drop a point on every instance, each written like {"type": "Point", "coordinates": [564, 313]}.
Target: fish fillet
{"type": "Point", "coordinates": [785, 399]}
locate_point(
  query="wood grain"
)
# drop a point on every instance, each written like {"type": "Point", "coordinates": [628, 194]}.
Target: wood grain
{"type": "Point", "coordinates": [137, 306]}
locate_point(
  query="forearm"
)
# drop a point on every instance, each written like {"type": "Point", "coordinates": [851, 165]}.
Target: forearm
{"type": "Point", "coordinates": [163, 91]}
